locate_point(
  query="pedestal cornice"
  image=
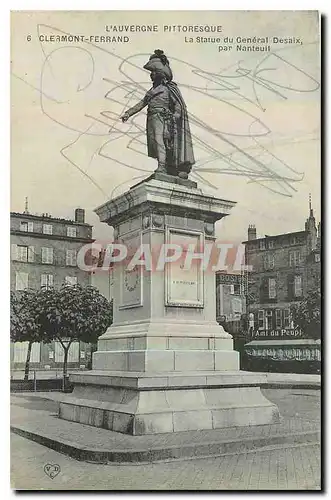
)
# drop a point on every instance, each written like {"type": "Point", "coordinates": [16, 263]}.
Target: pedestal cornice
{"type": "Point", "coordinates": [164, 197]}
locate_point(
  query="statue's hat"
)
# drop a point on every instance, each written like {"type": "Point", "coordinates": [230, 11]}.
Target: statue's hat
{"type": "Point", "coordinates": [159, 63]}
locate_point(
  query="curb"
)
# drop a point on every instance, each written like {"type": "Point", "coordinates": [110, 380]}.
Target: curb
{"type": "Point", "coordinates": [204, 450]}
{"type": "Point", "coordinates": [291, 385]}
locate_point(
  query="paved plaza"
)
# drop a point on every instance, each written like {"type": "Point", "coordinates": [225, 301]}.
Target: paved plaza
{"type": "Point", "coordinates": [296, 468]}
{"type": "Point", "coordinates": [285, 466]}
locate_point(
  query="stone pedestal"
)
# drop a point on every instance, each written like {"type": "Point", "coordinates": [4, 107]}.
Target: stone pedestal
{"type": "Point", "coordinates": [165, 364]}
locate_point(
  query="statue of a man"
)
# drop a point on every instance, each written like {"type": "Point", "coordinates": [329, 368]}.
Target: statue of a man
{"type": "Point", "coordinates": [168, 132]}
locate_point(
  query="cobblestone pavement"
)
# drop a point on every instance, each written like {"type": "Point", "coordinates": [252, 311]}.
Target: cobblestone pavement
{"type": "Point", "coordinates": [280, 467]}
{"type": "Point", "coordinates": [292, 468]}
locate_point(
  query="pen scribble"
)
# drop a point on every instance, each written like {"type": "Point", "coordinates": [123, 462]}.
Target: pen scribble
{"type": "Point", "coordinates": [223, 91]}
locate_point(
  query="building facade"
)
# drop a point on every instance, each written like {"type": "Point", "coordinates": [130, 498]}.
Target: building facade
{"type": "Point", "coordinates": [44, 254]}
{"type": "Point", "coordinates": [231, 307]}
{"type": "Point", "coordinates": [102, 276]}
{"type": "Point", "coordinates": [231, 301]}
{"type": "Point", "coordinates": [284, 268]}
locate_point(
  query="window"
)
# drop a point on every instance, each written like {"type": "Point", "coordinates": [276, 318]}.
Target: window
{"type": "Point", "coordinates": [286, 318]}
{"type": "Point", "coordinates": [262, 245]}
{"type": "Point", "coordinates": [71, 280]}
{"type": "Point", "coordinates": [26, 227]}
{"type": "Point", "coordinates": [47, 255]}
{"type": "Point", "coordinates": [22, 253]}
{"type": "Point", "coordinates": [269, 261]}
{"type": "Point", "coordinates": [71, 258]}
{"type": "Point", "coordinates": [46, 281]}
{"type": "Point", "coordinates": [271, 244]}
{"type": "Point", "coordinates": [72, 231]}
{"type": "Point", "coordinates": [297, 286]}
{"type": "Point", "coordinates": [236, 306]}
{"type": "Point", "coordinates": [73, 353]}
{"type": "Point", "coordinates": [22, 280]}
{"type": "Point", "coordinates": [21, 349]}
{"type": "Point", "coordinates": [231, 289]}
{"type": "Point", "coordinates": [47, 229]}
{"type": "Point", "coordinates": [261, 319]}
{"type": "Point", "coordinates": [25, 253]}
{"type": "Point", "coordinates": [272, 288]}
{"type": "Point", "coordinates": [31, 254]}
{"type": "Point", "coordinates": [295, 258]}
{"type": "Point", "coordinates": [317, 257]}
{"type": "Point", "coordinates": [268, 319]}
{"type": "Point", "coordinates": [278, 318]}
{"type": "Point", "coordinates": [294, 240]}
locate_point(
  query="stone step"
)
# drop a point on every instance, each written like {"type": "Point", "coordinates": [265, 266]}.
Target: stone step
{"type": "Point", "coordinates": [85, 442]}
{"type": "Point", "coordinates": [63, 439]}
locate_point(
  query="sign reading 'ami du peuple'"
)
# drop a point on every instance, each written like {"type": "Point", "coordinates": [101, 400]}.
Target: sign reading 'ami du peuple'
{"type": "Point", "coordinates": [289, 333]}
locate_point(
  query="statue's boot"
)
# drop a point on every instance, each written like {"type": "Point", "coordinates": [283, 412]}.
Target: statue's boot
{"type": "Point", "coordinates": [183, 175]}
{"type": "Point", "coordinates": [161, 169]}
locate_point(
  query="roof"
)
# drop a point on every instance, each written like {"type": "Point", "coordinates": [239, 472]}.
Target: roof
{"type": "Point", "coordinates": [280, 343]}
{"type": "Point", "coordinates": [269, 237]}
{"type": "Point", "coordinates": [48, 218]}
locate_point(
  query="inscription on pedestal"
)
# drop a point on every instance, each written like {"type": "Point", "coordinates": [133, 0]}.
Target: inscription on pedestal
{"type": "Point", "coordinates": [184, 283]}
{"type": "Point", "coordinates": [131, 280]}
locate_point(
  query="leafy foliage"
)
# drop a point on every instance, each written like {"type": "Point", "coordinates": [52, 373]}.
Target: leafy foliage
{"type": "Point", "coordinates": [24, 325]}
{"type": "Point", "coordinates": [66, 314]}
{"type": "Point", "coordinates": [307, 314]}
{"type": "Point", "coordinates": [73, 312]}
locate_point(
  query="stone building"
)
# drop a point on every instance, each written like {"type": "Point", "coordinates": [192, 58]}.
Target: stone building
{"type": "Point", "coordinates": [230, 301]}
{"type": "Point", "coordinates": [43, 254]}
{"type": "Point", "coordinates": [102, 276]}
{"type": "Point", "coordinates": [284, 268]}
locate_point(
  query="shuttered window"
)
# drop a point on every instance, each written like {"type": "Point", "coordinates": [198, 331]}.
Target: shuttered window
{"type": "Point", "coordinates": [46, 280]}
{"type": "Point", "coordinates": [261, 323]}
{"type": "Point", "coordinates": [22, 280]}
{"type": "Point", "coordinates": [286, 318]}
{"type": "Point", "coordinates": [73, 354]}
{"type": "Point", "coordinates": [298, 286]}
{"type": "Point", "coordinates": [47, 229]}
{"type": "Point", "coordinates": [47, 255]}
{"type": "Point", "coordinates": [272, 288]}
{"type": "Point", "coordinates": [71, 257]}
{"type": "Point", "coordinates": [72, 231]}
{"type": "Point", "coordinates": [71, 280]}
{"type": "Point", "coordinates": [21, 350]}
{"type": "Point", "coordinates": [278, 313]}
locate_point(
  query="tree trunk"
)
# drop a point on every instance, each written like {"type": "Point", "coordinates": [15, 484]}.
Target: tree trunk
{"type": "Point", "coordinates": [65, 365]}
{"type": "Point", "coordinates": [27, 362]}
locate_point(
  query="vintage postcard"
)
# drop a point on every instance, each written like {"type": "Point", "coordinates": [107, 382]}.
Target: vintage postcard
{"type": "Point", "coordinates": [165, 314]}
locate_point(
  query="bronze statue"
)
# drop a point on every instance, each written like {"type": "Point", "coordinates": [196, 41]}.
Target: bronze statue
{"type": "Point", "coordinates": [168, 132]}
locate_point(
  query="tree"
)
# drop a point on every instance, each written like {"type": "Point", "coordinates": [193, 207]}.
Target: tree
{"type": "Point", "coordinates": [73, 313]}
{"type": "Point", "coordinates": [307, 314]}
{"type": "Point", "coordinates": [24, 326]}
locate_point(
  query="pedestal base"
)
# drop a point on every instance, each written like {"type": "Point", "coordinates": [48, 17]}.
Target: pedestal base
{"type": "Point", "coordinates": [166, 361]}
{"type": "Point", "coordinates": [140, 403]}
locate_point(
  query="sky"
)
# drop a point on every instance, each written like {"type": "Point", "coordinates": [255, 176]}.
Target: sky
{"type": "Point", "coordinates": [254, 116]}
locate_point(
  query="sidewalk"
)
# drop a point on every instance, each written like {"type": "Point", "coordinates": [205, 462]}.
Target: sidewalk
{"type": "Point", "coordinates": [293, 380]}
{"type": "Point", "coordinates": [35, 416]}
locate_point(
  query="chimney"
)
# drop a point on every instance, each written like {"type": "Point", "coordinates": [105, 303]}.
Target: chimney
{"type": "Point", "coordinates": [80, 215]}
{"type": "Point", "coordinates": [26, 209]}
{"type": "Point", "coordinates": [251, 232]}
